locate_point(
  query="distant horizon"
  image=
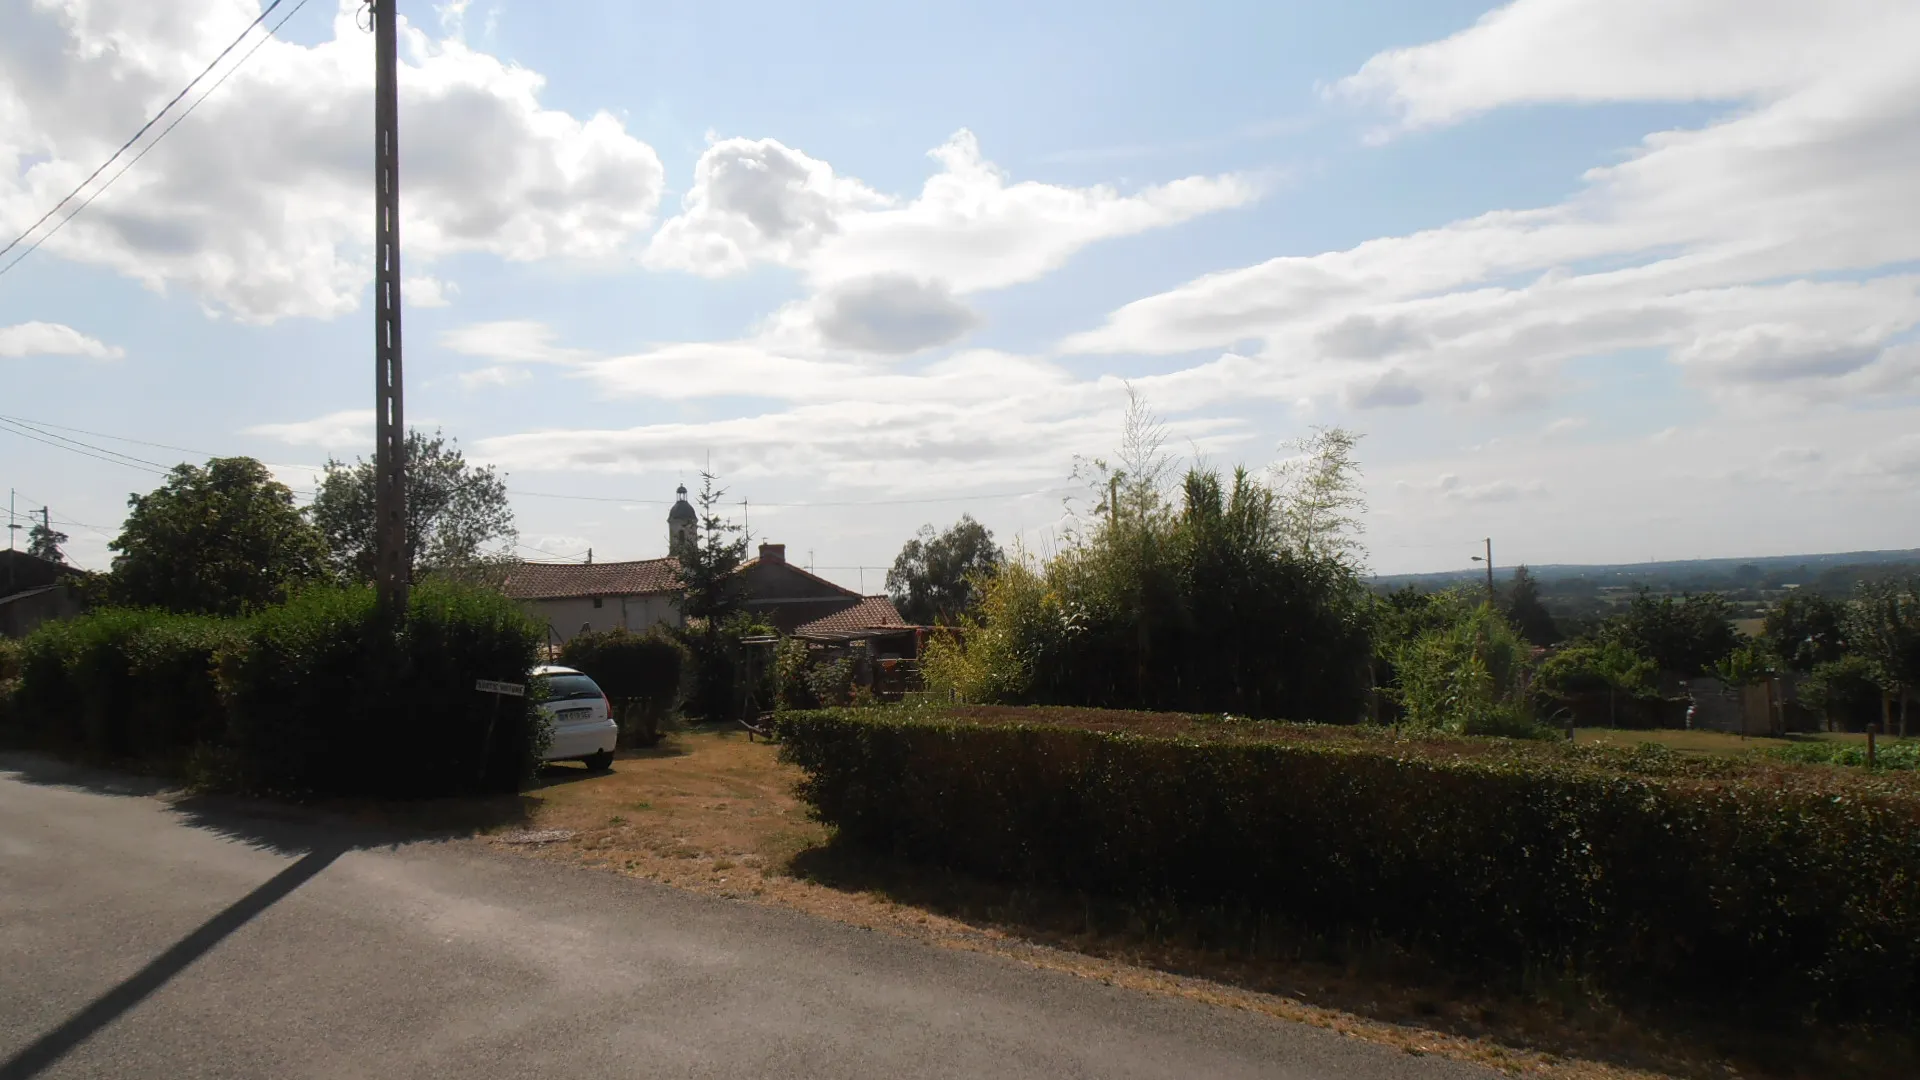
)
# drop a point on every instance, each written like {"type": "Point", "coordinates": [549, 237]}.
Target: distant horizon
{"type": "Point", "coordinates": [1836, 558]}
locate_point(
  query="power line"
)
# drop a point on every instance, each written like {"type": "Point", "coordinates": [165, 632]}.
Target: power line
{"type": "Point", "coordinates": [145, 150]}
{"type": "Point", "coordinates": [83, 453]}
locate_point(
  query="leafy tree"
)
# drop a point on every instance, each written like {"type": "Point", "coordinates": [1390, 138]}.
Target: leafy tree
{"type": "Point", "coordinates": [1804, 630]}
{"type": "Point", "coordinates": [1746, 665]}
{"type": "Point", "coordinates": [1845, 692]}
{"type": "Point", "coordinates": [1589, 669]}
{"type": "Point", "coordinates": [454, 511]}
{"type": "Point", "coordinates": [1883, 626]}
{"type": "Point", "coordinates": [43, 542]}
{"type": "Point", "coordinates": [1321, 504]}
{"type": "Point", "coordinates": [1525, 611]}
{"type": "Point", "coordinates": [933, 577]}
{"type": "Point", "coordinates": [1687, 635]}
{"type": "Point", "coordinates": [712, 601]}
{"type": "Point", "coordinates": [219, 540]}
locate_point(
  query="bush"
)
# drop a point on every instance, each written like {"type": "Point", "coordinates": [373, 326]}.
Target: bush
{"type": "Point", "coordinates": [1203, 606]}
{"type": "Point", "coordinates": [1466, 678]}
{"type": "Point", "coordinates": [1741, 883]}
{"type": "Point", "coordinates": [323, 697]}
{"type": "Point", "coordinates": [1845, 692]}
{"type": "Point", "coordinates": [123, 683]}
{"type": "Point", "coordinates": [640, 674]}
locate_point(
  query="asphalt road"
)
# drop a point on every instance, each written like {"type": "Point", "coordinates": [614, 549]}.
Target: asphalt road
{"type": "Point", "coordinates": [142, 939]}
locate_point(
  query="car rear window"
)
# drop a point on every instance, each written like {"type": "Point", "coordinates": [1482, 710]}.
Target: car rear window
{"type": "Point", "coordinates": [571, 687]}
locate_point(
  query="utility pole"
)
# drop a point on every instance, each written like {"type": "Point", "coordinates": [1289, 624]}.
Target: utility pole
{"type": "Point", "coordinates": [13, 526]}
{"type": "Point", "coordinates": [1492, 598]}
{"type": "Point", "coordinates": [390, 428]}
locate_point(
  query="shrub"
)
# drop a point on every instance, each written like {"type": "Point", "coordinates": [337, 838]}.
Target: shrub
{"type": "Point", "coordinates": [1466, 677]}
{"type": "Point", "coordinates": [640, 674]}
{"type": "Point", "coordinates": [1844, 692]}
{"type": "Point", "coordinates": [1203, 606]}
{"type": "Point", "coordinates": [123, 683]}
{"type": "Point", "coordinates": [324, 697]}
{"type": "Point", "coordinates": [1744, 883]}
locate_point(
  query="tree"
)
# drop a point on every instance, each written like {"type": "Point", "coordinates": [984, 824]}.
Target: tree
{"type": "Point", "coordinates": [43, 542]}
{"type": "Point", "coordinates": [1525, 611]}
{"type": "Point", "coordinates": [933, 577]}
{"type": "Point", "coordinates": [1590, 668]}
{"type": "Point", "coordinates": [1845, 692]}
{"type": "Point", "coordinates": [1883, 626]}
{"type": "Point", "coordinates": [220, 540]}
{"type": "Point", "coordinates": [1687, 635]}
{"type": "Point", "coordinates": [712, 601]}
{"type": "Point", "coordinates": [1320, 498]}
{"type": "Point", "coordinates": [1804, 630]}
{"type": "Point", "coordinates": [454, 511]}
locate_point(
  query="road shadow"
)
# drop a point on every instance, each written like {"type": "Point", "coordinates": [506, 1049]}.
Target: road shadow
{"type": "Point", "coordinates": [288, 827]}
{"type": "Point", "coordinates": [1538, 1013]}
{"type": "Point", "coordinates": [48, 1049]}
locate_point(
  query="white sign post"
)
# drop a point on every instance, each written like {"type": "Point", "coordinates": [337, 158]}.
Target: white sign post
{"type": "Point", "coordinates": [510, 689]}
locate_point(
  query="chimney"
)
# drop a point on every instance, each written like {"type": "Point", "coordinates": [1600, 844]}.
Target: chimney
{"type": "Point", "coordinates": [773, 553]}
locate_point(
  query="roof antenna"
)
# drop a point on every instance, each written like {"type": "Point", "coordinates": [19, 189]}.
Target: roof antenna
{"type": "Point", "coordinates": [589, 556]}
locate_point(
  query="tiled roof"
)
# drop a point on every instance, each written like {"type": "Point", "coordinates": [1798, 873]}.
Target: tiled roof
{"type": "Point", "coordinates": [559, 581]}
{"type": "Point", "coordinates": [871, 613]}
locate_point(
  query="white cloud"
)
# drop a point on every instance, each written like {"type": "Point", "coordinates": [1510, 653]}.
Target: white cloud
{"type": "Point", "coordinates": [257, 204]}
{"type": "Point", "coordinates": [427, 292]}
{"type": "Point", "coordinates": [1629, 50]}
{"type": "Point", "coordinates": [53, 339]}
{"type": "Point", "coordinates": [1755, 251]}
{"type": "Point", "coordinates": [759, 201]}
{"type": "Point", "coordinates": [493, 376]}
{"type": "Point", "coordinates": [343, 430]}
{"type": "Point", "coordinates": [513, 341]}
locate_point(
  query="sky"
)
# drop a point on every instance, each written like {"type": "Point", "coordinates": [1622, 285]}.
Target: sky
{"type": "Point", "coordinates": [1601, 280]}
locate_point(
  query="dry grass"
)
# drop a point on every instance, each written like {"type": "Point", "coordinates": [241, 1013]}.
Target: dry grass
{"type": "Point", "coordinates": [714, 813]}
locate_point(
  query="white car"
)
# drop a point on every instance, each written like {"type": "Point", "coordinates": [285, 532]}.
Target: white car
{"type": "Point", "coordinates": [580, 717]}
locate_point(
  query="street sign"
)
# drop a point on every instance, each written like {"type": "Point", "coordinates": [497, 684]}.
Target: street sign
{"type": "Point", "coordinates": [510, 689]}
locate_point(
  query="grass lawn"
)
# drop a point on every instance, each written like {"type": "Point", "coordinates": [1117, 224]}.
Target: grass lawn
{"type": "Point", "coordinates": [714, 813]}
{"type": "Point", "coordinates": [1711, 743]}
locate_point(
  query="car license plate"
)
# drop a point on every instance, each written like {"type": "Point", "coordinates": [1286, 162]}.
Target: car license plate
{"type": "Point", "coordinates": [574, 716]}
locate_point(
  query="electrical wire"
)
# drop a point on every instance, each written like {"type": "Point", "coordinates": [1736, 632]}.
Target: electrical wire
{"type": "Point", "coordinates": [145, 150]}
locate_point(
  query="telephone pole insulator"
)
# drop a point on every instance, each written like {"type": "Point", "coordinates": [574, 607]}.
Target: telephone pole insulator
{"type": "Point", "coordinates": [391, 566]}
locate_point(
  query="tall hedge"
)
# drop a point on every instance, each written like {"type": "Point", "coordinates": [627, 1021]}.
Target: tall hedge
{"type": "Point", "coordinates": [640, 674]}
{"type": "Point", "coordinates": [1762, 885]}
{"type": "Point", "coordinates": [123, 684]}
{"type": "Point", "coordinates": [312, 696]}
{"type": "Point", "coordinates": [322, 696]}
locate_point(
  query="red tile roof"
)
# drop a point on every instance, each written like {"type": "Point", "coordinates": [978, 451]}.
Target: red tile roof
{"type": "Point", "coordinates": [871, 613]}
{"type": "Point", "coordinates": [559, 581]}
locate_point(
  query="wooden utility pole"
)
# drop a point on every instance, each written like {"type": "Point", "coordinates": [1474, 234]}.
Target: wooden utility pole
{"type": "Point", "coordinates": [1491, 598]}
{"type": "Point", "coordinates": [391, 570]}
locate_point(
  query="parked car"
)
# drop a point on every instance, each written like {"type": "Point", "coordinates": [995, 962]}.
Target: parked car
{"type": "Point", "coordinates": [580, 717]}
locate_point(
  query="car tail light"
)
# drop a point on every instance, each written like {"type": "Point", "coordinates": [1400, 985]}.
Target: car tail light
{"type": "Point", "coordinates": [608, 702]}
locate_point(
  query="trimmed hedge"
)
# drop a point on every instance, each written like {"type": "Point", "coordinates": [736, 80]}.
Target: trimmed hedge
{"type": "Point", "coordinates": [640, 674]}
{"type": "Point", "coordinates": [122, 684]}
{"type": "Point", "coordinates": [312, 696]}
{"type": "Point", "coordinates": [1747, 884]}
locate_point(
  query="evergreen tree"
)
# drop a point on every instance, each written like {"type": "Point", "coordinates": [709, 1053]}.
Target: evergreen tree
{"type": "Point", "coordinates": [712, 601]}
{"type": "Point", "coordinates": [1525, 611]}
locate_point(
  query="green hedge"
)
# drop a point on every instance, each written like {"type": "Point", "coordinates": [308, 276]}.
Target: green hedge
{"type": "Point", "coordinates": [1734, 883]}
{"type": "Point", "coordinates": [122, 684]}
{"type": "Point", "coordinates": [640, 673]}
{"type": "Point", "coordinates": [312, 696]}
{"type": "Point", "coordinates": [321, 696]}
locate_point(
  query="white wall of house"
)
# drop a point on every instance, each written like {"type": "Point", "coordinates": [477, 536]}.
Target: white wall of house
{"type": "Point", "coordinates": [636, 613]}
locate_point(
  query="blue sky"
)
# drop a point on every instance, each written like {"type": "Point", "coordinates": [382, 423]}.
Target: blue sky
{"type": "Point", "coordinates": [1603, 280]}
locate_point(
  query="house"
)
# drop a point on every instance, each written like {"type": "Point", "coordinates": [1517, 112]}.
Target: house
{"type": "Point", "coordinates": [571, 597]}
{"type": "Point", "coordinates": [32, 591]}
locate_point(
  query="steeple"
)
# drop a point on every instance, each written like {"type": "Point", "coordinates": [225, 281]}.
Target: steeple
{"type": "Point", "coordinates": [682, 522]}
